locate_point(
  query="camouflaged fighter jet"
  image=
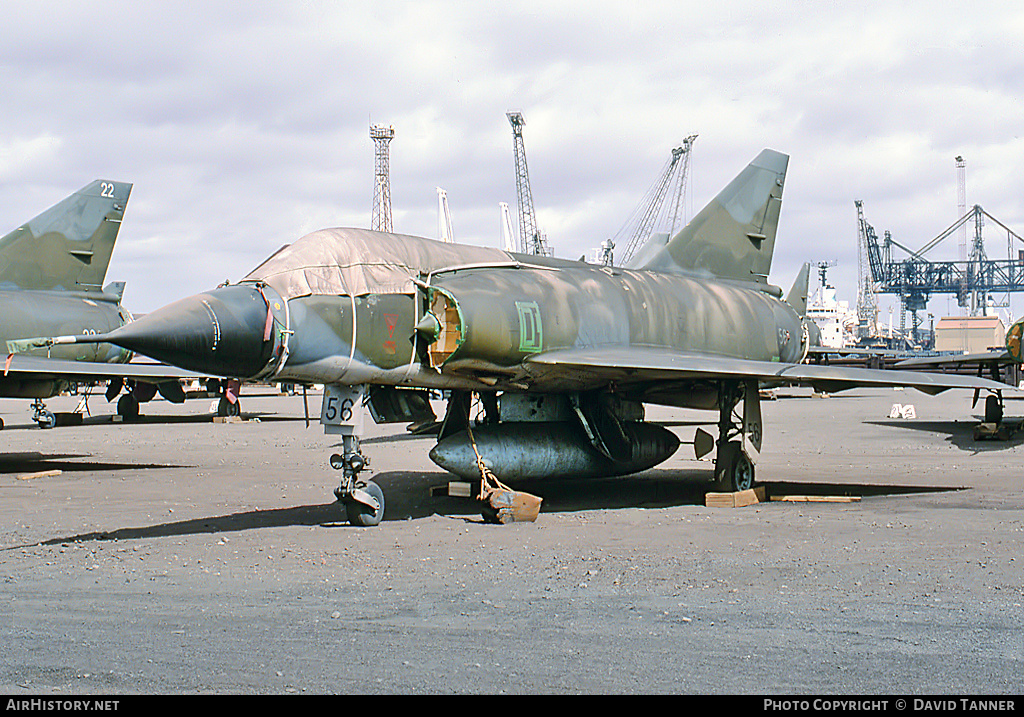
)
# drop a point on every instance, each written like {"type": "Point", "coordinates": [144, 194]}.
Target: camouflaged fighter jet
{"type": "Point", "coordinates": [562, 354]}
{"type": "Point", "coordinates": [51, 274]}
{"type": "Point", "coordinates": [1002, 365]}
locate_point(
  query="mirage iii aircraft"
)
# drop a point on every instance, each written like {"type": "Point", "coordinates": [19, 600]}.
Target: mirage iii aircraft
{"type": "Point", "coordinates": [51, 274]}
{"type": "Point", "coordinates": [562, 354]}
{"type": "Point", "coordinates": [1002, 365]}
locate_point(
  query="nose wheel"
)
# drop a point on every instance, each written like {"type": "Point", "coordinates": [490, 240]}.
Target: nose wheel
{"type": "Point", "coordinates": [342, 413]}
{"type": "Point", "coordinates": [43, 416]}
{"type": "Point", "coordinates": [358, 508]}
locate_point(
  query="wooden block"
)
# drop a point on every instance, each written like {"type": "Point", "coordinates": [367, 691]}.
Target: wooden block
{"type": "Point", "coordinates": [457, 489]}
{"type": "Point", "coordinates": [67, 419]}
{"type": "Point", "coordinates": [460, 489]}
{"type": "Point", "coordinates": [737, 499]}
{"type": "Point", "coordinates": [227, 419]}
{"type": "Point", "coordinates": [992, 432]}
{"type": "Point", "coordinates": [40, 474]}
{"type": "Point", "coordinates": [816, 498]}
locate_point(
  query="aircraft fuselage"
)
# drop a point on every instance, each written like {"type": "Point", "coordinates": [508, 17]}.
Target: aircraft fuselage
{"type": "Point", "coordinates": [475, 327]}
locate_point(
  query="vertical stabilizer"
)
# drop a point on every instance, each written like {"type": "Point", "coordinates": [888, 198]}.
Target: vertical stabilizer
{"type": "Point", "coordinates": [797, 296]}
{"type": "Point", "coordinates": [733, 237]}
{"type": "Point", "coordinates": [69, 245]}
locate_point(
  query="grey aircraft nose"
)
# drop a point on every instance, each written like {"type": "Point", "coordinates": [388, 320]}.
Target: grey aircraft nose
{"type": "Point", "coordinates": [219, 332]}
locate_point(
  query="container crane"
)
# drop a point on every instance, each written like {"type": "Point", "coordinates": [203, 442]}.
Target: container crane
{"type": "Point", "coordinates": [914, 278]}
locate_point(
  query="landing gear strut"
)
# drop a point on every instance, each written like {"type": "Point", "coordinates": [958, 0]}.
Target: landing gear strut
{"type": "Point", "coordinates": [739, 441]}
{"type": "Point", "coordinates": [342, 414]}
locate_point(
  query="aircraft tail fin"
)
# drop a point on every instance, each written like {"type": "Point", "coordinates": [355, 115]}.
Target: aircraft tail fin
{"type": "Point", "coordinates": [797, 296]}
{"type": "Point", "coordinates": [733, 237]}
{"type": "Point", "coordinates": [69, 245]}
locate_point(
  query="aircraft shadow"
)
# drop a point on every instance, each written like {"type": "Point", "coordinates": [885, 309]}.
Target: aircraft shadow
{"type": "Point", "coordinates": [961, 433]}
{"type": "Point", "coordinates": [408, 497]}
{"type": "Point", "coordinates": [144, 419]}
{"type": "Point", "coordinates": [33, 461]}
{"type": "Point", "coordinates": [307, 515]}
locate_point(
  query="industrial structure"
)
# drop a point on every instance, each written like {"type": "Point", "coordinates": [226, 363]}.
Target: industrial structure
{"type": "Point", "coordinates": [969, 334]}
{"type": "Point", "coordinates": [531, 241]}
{"type": "Point", "coordinates": [381, 216]}
{"type": "Point", "coordinates": [639, 228]}
{"type": "Point", "coordinates": [444, 218]}
{"type": "Point", "coordinates": [974, 279]}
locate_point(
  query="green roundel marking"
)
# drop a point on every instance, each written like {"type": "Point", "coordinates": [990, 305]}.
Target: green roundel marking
{"type": "Point", "coordinates": [1015, 341]}
{"type": "Point", "coordinates": [531, 330]}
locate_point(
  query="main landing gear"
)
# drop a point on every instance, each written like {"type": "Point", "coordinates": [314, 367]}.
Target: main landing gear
{"type": "Point", "coordinates": [342, 414]}
{"type": "Point", "coordinates": [739, 436]}
{"type": "Point", "coordinates": [228, 403]}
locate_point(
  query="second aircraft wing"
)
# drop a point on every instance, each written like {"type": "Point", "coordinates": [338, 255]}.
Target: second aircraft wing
{"type": "Point", "coordinates": [642, 364]}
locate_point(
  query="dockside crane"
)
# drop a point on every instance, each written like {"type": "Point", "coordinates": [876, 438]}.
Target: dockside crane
{"type": "Point", "coordinates": [915, 278]}
{"type": "Point", "coordinates": [638, 229]}
{"type": "Point", "coordinates": [867, 302]}
{"type": "Point", "coordinates": [531, 241]}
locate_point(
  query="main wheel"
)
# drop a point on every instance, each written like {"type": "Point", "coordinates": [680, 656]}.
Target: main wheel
{"type": "Point", "coordinates": [128, 407]}
{"type": "Point", "coordinates": [993, 409]}
{"type": "Point", "coordinates": [47, 419]}
{"type": "Point", "coordinates": [364, 516]}
{"type": "Point", "coordinates": [742, 472]}
{"type": "Point", "coordinates": [226, 408]}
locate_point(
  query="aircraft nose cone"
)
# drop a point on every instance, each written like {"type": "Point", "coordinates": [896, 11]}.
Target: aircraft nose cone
{"type": "Point", "coordinates": [219, 332]}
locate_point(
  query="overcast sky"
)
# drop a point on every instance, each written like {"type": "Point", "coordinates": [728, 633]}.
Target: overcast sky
{"type": "Point", "coordinates": [244, 126]}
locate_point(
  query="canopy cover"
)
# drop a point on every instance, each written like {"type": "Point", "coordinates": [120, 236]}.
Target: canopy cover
{"type": "Point", "coordinates": [355, 262]}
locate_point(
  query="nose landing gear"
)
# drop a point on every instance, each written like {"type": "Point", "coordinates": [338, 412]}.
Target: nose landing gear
{"type": "Point", "coordinates": [342, 414]}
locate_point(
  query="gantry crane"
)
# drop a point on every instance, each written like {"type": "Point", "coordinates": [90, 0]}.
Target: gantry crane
{"type": "Point", "coordinates": [636, 232]}
{"type": "Point", "coordinates": [914, 278]}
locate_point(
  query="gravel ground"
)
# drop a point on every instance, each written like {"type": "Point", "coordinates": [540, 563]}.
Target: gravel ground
{"type": "Point", "coordinates": [178, 555]}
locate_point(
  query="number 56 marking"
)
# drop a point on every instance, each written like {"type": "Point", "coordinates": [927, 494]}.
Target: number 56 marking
{"type": "Point", "coordinates": [342, 406]}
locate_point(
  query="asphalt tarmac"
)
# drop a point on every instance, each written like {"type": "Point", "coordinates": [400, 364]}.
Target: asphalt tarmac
{"type": "Point", "coordinates": [178, 555]}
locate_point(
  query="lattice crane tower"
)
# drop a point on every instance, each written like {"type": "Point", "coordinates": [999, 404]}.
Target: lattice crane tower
{"type": "Point", "coordinates": [867, 302]}
{"type": "Point", "coordinates": [381, 217]}
{"type": "Point", "coordinates": [530, 239]}
{"type": "Point", "coordinates": [961, 205]}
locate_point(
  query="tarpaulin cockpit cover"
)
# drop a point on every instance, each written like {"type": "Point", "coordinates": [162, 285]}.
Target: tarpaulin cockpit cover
{"type": "Point", "coordinates": [355, 262]}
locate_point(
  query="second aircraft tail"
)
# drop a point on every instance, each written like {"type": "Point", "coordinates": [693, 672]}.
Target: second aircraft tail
{"type": "Point", "coordinates": [69, 245]}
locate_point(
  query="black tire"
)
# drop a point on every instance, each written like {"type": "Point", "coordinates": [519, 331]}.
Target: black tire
{"type": "Point", "coordinates": [993, 409]}
{"type": "Point", "coordinates": [226, 408]}
{"type": "Point", "coordinates": [363, 516]}
{"type": "Point", "coordinates": [741, 472]}
{"type": "Point", "coordinates": [47, 420]}
{"type": "Point", "coordinates": [128, 407]}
